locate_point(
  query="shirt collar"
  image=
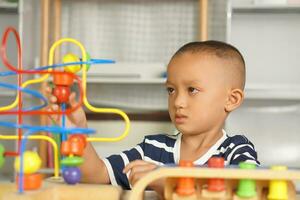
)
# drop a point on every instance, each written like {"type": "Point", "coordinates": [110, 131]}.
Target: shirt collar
{"type": "Point", "coordinates": [204, 158]}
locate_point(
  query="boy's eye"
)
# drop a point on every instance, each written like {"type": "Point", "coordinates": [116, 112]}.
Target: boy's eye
{"type": "Point", "coordinates": [193, 90]}
{"type": "Point", "coordinates": [170, 90]}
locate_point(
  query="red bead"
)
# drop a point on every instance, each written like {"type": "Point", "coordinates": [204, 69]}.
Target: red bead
{"type": "Point", "coordinates": [62, 93]}
{"type": "Point", "coordinates": [216, 184]}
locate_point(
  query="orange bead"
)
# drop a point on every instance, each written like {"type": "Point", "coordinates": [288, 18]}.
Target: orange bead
{"type": "Point", "coordinates": [216, 184]}
{"type": "Point", "coordinates": [65, 148]}
{"type": "Point", "coordinates": [31, 181]}
{"type": "Point", "coordinates": [64, 79]}
{"type": "Point", "coordinates": [185, 185]}
{"type": "Point", "coordinates": [79, 137]}
{"type": "Point", "coordinates": [77, 147]}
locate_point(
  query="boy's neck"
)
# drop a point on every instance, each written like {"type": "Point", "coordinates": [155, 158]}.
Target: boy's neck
{"type": "Point", "coordinates": [194, 146]}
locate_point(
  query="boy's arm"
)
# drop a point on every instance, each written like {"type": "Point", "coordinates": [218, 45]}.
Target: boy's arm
{"type": "Point", "coordinates": [93, 169]}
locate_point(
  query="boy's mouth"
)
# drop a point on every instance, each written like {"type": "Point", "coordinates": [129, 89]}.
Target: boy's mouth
{"type": "Point", "coordinates": [179, 118]}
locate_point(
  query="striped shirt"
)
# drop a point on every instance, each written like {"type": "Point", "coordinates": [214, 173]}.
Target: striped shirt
{"type": "Point", "coordinates": [165, 149]}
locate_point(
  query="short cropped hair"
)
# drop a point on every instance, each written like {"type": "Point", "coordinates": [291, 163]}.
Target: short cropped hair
{"type": "Point", "coordinates": [221, 50]}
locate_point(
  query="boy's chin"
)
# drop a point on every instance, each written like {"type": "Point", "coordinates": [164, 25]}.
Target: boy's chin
{"type": "Point", "coordinates": [186, 131]}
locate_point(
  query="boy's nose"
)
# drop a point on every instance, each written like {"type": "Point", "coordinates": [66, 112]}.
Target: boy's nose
{"type": "Point", "coordinates": [180, 101]}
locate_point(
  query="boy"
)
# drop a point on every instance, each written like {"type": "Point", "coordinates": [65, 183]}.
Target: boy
{"type": "Point", "coordinates": [205, 82]}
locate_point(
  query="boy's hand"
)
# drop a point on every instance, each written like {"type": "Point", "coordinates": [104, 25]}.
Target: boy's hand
{"type": "Point", "coordinates": [76, 119]}
{"type": "Point", "coordinates": [137, 169]}
{"type": "Point", "coordinates": [140, 168]}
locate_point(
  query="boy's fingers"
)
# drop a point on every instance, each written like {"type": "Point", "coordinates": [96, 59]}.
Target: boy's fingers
{"type": "Point", "coordinates": [72, 99]}
{"type": "Point", "coordinates": [54, 118]}
{"type": "Point", "coordinates": [132, 164]}
{"type": "Point", "coordinates": [140, 169]}
{"type": "Point", "coordinates": [53, 99]}
{"type": "Point", "coordinates": [135, 178]}
{"type": "Point", "coordinates": [54, 107]}
{"type": "Point", "coordinates": [48, 89]}
{"type": "Point", "coordinates": [50, 96]}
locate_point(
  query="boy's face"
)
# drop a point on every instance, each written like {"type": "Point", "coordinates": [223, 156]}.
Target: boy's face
{"type": "Point", "coordinates": [197, 92]}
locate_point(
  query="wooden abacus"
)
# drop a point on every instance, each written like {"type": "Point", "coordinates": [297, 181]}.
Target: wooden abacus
{"type": "Point", "coordinates": [202, 175]}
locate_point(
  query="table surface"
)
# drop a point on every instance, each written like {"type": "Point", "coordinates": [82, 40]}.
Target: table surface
{"type": "Point", "coordinates": [58, 191]}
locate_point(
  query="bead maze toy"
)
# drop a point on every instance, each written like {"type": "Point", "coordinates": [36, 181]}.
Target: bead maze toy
{"type": "Point", "coordinates": [73, 140]}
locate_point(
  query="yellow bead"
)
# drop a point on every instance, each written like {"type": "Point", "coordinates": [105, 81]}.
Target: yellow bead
{"type": "Point", "coordinates": [71, 58]}
{"type": "Point", "coordinates": [32, 162]}
{"type": "Point", "coordinates": [278, 189]}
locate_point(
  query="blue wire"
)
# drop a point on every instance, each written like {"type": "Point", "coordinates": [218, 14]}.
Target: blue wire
{"type": "Point", "coordinates": [63, 122]}
{"type": "Point", "coordinates": [22, 149]}
{"type": "Point", "coordinates": [54, 129]}
{"type": "Point", "coordinates": [7, 73]}
{"type": "Point", "coordinates": [28, 91]}
{"type": "Point", "coordinates": [90, 62]}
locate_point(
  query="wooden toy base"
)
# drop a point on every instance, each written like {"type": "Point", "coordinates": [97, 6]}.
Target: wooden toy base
{"type": "Point", "coordinates": [60, 191]}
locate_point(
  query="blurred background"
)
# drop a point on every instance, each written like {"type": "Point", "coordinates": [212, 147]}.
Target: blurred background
{"type": "Point", "coordinates": [142, 35]}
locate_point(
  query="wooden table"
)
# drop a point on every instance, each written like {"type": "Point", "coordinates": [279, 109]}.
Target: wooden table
{"type": "Point", "coordinates": [60, 191]}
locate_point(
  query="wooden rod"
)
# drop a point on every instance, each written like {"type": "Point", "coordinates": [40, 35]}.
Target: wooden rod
{"type": "Point", "coordinates": [203, 21]}
{"type": "Point", "coordinates": [57, 27]}
{"type": "Point", "coordinates": [43, 62]}
{"type": "Point", "coordinates": [44, 32]}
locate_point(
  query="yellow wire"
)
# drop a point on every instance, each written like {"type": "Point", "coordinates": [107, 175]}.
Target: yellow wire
{"type": "Point", "coordinates": [39, 137]}
{"type": "Point", "coordinates": [85, 101]}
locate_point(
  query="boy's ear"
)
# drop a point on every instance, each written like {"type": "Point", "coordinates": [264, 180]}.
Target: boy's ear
{"type": "Point", "coordinates": [235, 99]}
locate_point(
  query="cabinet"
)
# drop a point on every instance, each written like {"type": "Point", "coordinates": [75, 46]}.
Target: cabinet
{"type": "Point", "coordinates": [268, 37]}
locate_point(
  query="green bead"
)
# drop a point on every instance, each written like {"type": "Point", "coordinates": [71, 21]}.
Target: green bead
{"type": "Point", "coordinates": [72, 161]}
{"type": "Point", "coordinates": [246, 187]}
{"type": "Point", "coordinates": [2, 160]}
{"type": "Point", "coordinates": [244, 165]}
{"type": "Point", "coordinates": [88, 58]}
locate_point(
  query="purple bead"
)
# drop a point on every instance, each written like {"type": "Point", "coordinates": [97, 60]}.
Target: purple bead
{"type": "Point", "coordinates": [71, 175]}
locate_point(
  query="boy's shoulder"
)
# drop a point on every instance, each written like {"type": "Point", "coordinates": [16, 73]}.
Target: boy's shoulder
{"type": "Point", "coordinates": [237, 148]}
{"type": "Point", "coordinates": [236, 140]}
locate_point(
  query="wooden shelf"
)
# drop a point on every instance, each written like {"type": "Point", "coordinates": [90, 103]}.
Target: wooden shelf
{"type": "Point", "coordinates": [8, 7]}
{"type": "Point", "coordinates": [126, 80]}
{"type": "Point", "coordinates": [162, 116]}
{"type": "Point", "coordinates": [271, 8]}
{"type": "Point", "coordinates": [277, 92]}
